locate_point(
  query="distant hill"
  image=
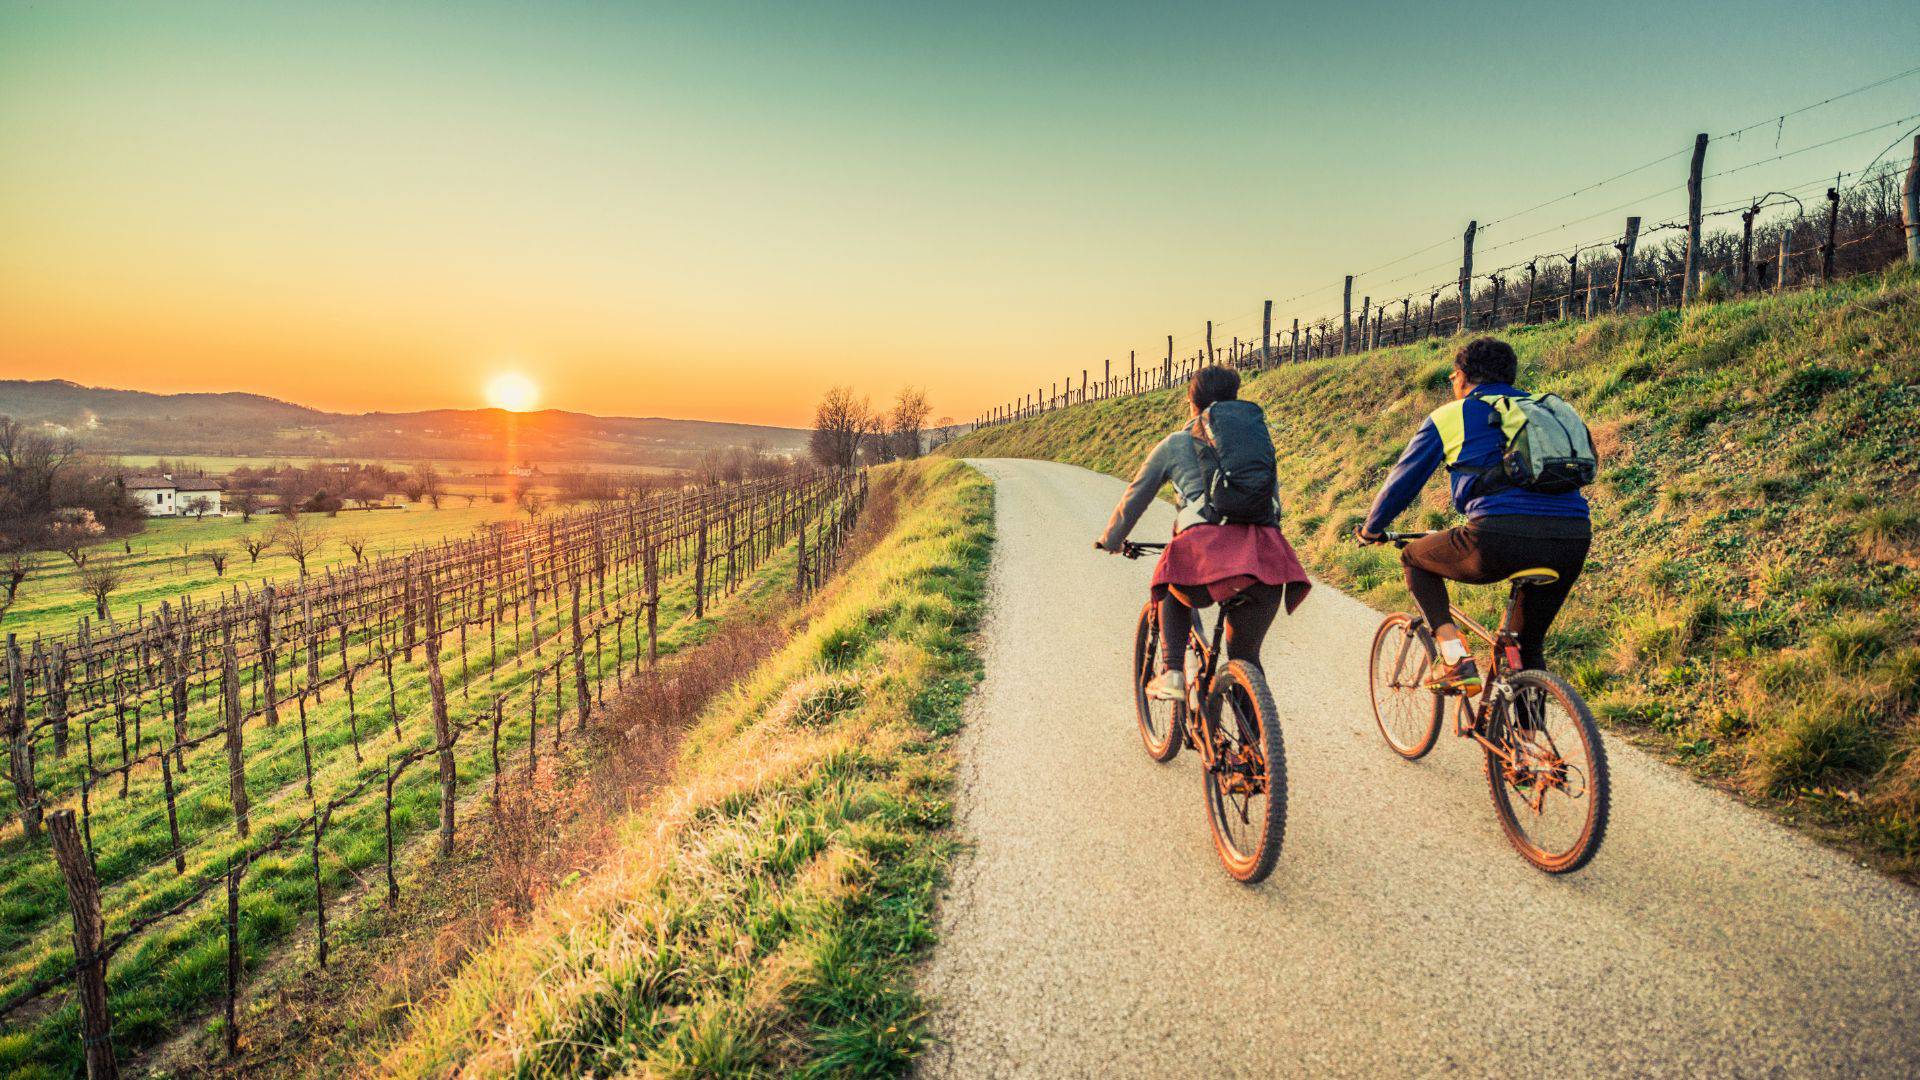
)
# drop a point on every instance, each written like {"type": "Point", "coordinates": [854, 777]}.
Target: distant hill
{"type": "Point", "coordinates": [134, 421]}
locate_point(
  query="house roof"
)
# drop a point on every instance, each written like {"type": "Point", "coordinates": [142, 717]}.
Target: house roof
{"type": "Point", "coordinates": [185, 483]}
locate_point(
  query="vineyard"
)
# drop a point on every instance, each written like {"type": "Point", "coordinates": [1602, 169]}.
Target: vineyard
{"type": "Point", "coordinates": [192, 785]}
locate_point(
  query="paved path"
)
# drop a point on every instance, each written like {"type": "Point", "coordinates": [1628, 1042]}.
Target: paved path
{"type": "Point", "coordinates": [1090, 931]}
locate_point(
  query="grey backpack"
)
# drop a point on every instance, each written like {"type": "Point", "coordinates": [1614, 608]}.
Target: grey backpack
{"type": "Point", "coordinates": [1549, 449]}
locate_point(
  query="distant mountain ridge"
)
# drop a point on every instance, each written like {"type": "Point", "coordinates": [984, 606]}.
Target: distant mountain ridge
{"type": "Point", "coordinates": [244, 424]}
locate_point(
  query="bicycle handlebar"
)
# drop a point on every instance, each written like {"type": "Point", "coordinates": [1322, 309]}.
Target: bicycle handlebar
{"type": "Point", "coordinates": [1397, 539]}
{"type": "Point", "coordinates": [1133, 551]}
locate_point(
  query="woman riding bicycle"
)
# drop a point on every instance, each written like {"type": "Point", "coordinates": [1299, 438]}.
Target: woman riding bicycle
{"type": "Point", "coordinates": [1207, 562]}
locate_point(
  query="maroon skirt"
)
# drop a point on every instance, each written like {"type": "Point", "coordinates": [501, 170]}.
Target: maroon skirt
{"type": "Point", "coordinates": [1218, 561]}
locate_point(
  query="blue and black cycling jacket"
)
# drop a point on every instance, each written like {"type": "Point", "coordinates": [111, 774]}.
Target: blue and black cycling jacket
{"type": "Point", "coordinates": [1465, 435]}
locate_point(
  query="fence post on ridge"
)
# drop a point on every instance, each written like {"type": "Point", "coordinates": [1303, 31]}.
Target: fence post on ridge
{"type": "Point", "coordinates": [1620, 273]}
{"type": "Point", "coordinates": [1346, 315]}
{"type": "Point", "coordinates": [1692, 271]}
{"type": "Point", "coordinates": [89, 962]}
{"type": "Point", "coordinates": [1466, 277]}
{"type": "Point", "coordinates": [1910, 205]}
{"type": "Point", "coordinates": [1833, 221]}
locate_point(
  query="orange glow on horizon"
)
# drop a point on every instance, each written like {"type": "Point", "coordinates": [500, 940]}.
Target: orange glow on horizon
{"type": "Point", "coordinates": [513, 392]}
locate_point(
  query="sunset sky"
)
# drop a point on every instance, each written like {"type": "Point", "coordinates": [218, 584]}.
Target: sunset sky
{"type": "Point", "coordinates": [717, 210]}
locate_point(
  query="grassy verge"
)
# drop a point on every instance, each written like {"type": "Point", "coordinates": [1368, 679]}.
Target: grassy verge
{"type": "Point", "coordinates": [1750, 608]}
{"type": "Point", "coordinates": [763, 914]}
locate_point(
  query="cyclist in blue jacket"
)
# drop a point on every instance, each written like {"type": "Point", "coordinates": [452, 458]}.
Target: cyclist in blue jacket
{"type": "Point", "coordinates": [1508, 529]}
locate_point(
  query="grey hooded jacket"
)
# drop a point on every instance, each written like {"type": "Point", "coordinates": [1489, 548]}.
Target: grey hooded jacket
{"type": "Point", "coordinates": [1177, 461]}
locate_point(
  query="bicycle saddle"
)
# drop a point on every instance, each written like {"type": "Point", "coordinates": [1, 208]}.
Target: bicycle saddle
{"type": "Point", "coordinates": [1539, 575]}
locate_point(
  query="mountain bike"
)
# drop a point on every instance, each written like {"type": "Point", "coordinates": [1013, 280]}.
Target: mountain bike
{"type": "Point", "coordinates": [1545, 764]}
{"type": "Point", "coordinates": [1229, 719]}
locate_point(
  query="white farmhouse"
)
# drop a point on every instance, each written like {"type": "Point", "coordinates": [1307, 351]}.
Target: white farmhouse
{"type": "Point", "coordinates": [164, 496]}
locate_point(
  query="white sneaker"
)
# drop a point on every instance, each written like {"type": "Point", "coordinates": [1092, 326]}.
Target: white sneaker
{"type": "Point", "coordinates": [1170, 685]}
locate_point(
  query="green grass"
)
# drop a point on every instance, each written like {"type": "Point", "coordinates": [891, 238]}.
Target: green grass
{"type": "Point", "coordinates": [170, 973]}
{"type": "Point", "coordinates": [762, 915]}
{"type": "Point", "coordinates": [1754, 592]}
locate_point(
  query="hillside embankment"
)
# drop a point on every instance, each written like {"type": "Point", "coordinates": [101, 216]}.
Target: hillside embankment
{"type": "Point", "coordinates": [761, 912]}
{"type": "Point", "coordinates": [1750, 607]}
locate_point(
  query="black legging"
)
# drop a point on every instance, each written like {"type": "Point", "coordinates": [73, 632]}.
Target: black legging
{"type": "Point", "coordinates": [1249, 616]}
{"type": "Point", "coordinates": [1478, 558]}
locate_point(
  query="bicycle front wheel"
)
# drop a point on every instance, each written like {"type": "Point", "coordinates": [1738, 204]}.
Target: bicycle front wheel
{"type": "Point", "coordinates": [1160, 720]}
{"type": "Point", "coordinates": [1550, 790]}
{"type": "Point", "coordinates": [1406, 711]}
{"type": "Point", "coordinates": [1246, 787]}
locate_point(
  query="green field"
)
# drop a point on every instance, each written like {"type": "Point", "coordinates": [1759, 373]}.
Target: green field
{"type": "Point", "coordinates": [1752, 607]}
{"type": "Point", "coordinates": [159, 569]}
{"type": "Point", "coordinates": [165, 976]}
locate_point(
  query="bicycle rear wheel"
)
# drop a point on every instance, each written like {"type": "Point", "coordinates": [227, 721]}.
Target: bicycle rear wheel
{"type": "Point", "coordinates": [1553, 799]}
{"type": "Point", "coordinates": [1160, 721]}
{"type": "Point", "coordinates": [1406, 711]}
{"type": "Point", "coordinates": [1246, 789]}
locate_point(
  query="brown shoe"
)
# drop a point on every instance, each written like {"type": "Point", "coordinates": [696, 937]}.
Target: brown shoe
{"type": "Point", "coordinates": [1457, 678]}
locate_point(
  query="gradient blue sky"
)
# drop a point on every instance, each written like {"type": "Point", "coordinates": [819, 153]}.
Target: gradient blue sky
{"type": "Point", "coordinates": [718, 210]}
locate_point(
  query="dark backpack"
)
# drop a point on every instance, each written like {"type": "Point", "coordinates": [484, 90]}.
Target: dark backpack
{"type": "Point", "coordinates": [1236, 450]}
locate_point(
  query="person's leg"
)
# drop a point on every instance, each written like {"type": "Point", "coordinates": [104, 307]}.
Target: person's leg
{"type": "Point", "coordinates": [1540, 603]}
{"type": "Point", "coordinates": [1429, 563]}
{"type": "Point", "coordinates": [1176, 625]}
{"type": "Point", "coordinates": [1249, 618]}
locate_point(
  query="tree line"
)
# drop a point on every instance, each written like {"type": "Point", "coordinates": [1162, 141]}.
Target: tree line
{"type": "Point", "coordinates": [849, 431]}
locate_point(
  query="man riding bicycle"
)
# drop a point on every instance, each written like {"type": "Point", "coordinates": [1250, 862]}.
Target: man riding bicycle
{"type": "Point", "coordinates": [1216, 554]}
{"type": "Point", "coordinates": [1509, 527]}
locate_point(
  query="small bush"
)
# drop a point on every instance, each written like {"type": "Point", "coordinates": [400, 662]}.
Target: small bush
{"type": "Point", "coordinates": [1889, 533]}
{"type": "Point", "coordinates": [1853, 644]}
{"type": "Point", "coordinates": [1812, 746]}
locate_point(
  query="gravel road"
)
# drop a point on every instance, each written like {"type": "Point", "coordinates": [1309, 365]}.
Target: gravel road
{"type": "Point", "coordinates": [1089, 930]}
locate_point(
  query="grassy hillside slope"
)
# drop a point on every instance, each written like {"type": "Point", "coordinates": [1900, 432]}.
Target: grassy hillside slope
{"type": "Point", "coordinates": [1750, 607]}
{"type": "Point", "coordinates": [761, 915]}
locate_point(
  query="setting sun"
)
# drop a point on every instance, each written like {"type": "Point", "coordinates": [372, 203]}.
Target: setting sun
{"type": "Point", "coordinates": [513, 392]}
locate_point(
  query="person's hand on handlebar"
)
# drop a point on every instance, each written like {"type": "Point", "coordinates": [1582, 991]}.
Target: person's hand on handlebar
{"type": "Point", "coordinates": [1099, 544]}
{"type": "Point", "coordinates": [1361, 534]}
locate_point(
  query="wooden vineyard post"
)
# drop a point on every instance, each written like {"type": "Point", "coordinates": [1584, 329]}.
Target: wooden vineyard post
{"type": "Point", "coordinates": [579, 661]}
{"type": "Point", "coordinates": [20, 743]}
{"type": "Point", "coordinates": [1293, 347]}
{"type": "Point", "coordinates": [89, 959]}
{"type": "Point", "coordinates": [353, 711]}
{"type": "Point", "coordinates": [1466, 277]}
{"type": "Point", "coordinates": [1346, 317]}
{"type": "Point", "coordinates": [1910, 205]}
{"type": "Point", "coordinates": [1780, 268]}
{"type": "Point", "coordinates": [319, 894]}
{"type": "Point", "coordinates": [1621, 273]}
{"type": "Point", "coordinates": [57, 698]}
{"type": "Point", "coordinates": [393, 884]}
{"type": "Point", "coordinates": [653, 606]}
{"type": "Point", "coordinates": [800, 565]}
{"type": "Point", "coordinates": [496, 749]}
{"type": "Point", "coordinates": [233, 958]}
{"type": "Point", "coordinates": [173, 817]}
{"type": "Point", "coordinates": [1828, 249]}
{"type": "Point", "coordinates": [442, 729]}
{"type": "Point", "coordinates": [267, 661]}
{"type": "Point", "coordinates": [700, 572]}
{"type": "Point", "coordinates": [1690, 281]}
{"type": "Point", "coordinates": [236, 766]}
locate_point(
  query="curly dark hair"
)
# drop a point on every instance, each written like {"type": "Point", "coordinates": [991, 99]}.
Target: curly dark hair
{"type": "Point", "coordinates": [1487, 360]}
{"type": "Point", "coordinates": [1211, 384]}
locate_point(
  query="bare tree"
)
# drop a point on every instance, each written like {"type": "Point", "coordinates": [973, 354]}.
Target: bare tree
{"type": "Point", "coordinates": [219, 561]}
{"type": "Point", "coordinates": [530, 502]}
{"type": "Point", "coordinates": [247, 501]}
{"type": "Point", "coordinates": [14, 568]}
{"type": "Point", "coordinates": [99, 580]}
{"type": "Point", "coordinates": [839, 423]}
{"type": "Point", "coordinates": [256, 545]}
{"type": "Point", "coordinates": [199, 506]}
{"type": "Point", "coordinates": [908, 419]}
{"type": "Point", "coordinates": [427, 479]}
{"type": "Point", "coordinates": [299, 541]}
{"type": "Point", "coordinates": [356, 543]}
